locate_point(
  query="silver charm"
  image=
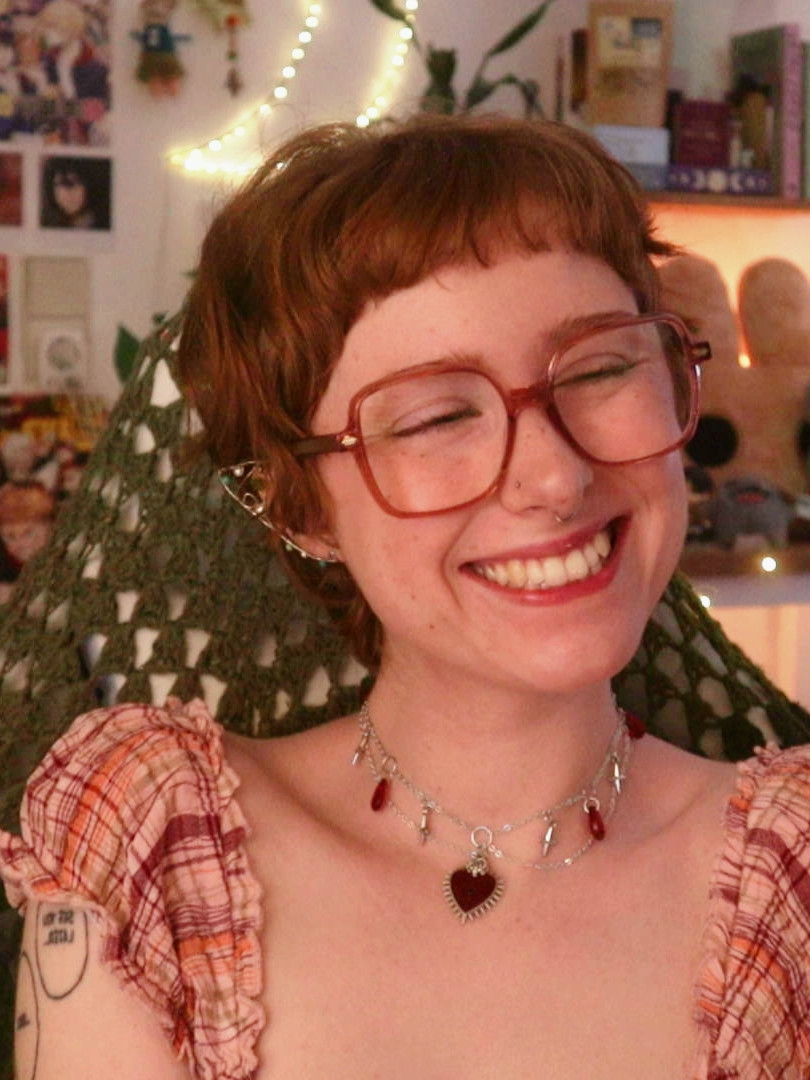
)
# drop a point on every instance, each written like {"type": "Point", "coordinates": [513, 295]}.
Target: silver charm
{"type": "Point", "coordinates": [618, 776]}
{"type": "Point", "coordinates": [549, 836]}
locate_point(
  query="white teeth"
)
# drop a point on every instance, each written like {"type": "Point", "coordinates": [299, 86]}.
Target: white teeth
{"type": "Point", "coordinates": [534, 574]}
{"type": "Point", "coordinates": [556, 570]}
{"type": "Point", "coordinates": [517, 573]}
{"type": "Point", "coordinates": [501, 574]}
{"type": "Point", "coordinates": [602, 544]}
{"type": "Point", "coordinates": [576, 566]}
{"type": "Point", "coordinates": [592, 557]}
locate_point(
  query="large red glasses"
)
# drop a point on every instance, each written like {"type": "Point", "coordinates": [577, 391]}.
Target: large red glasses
{"type": "Point", "coordinates": [439, 436]}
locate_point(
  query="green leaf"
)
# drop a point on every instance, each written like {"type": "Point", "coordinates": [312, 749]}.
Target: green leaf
{"type": "Point", "coordinates": [389, 8]}
{"type": "Point", "coordinates": [126, 350]}
{"type": "Point", "coordinates": [478, 91]}
{"type": "Point", "coordinates": [481, 89]}
{"type": "Point", "coordinates": [520, 31]}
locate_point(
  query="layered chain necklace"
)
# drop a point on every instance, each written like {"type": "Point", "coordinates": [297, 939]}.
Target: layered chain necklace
{"type": "Point", "coordinates": [473, 889]}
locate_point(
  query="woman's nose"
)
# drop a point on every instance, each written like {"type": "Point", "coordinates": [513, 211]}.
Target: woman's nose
{"type": "Point", "coordinates": [545, 471]}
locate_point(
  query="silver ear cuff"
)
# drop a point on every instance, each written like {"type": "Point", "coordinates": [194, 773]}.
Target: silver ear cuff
{"type": "Point", "coordinates": [244, 483]}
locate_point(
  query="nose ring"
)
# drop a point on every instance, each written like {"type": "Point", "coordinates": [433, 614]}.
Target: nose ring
{"type": "Point", "coordinates": [564, 520]}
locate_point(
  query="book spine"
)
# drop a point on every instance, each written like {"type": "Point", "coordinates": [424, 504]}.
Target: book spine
{"type": "Point", "coordinates": [791, 125]}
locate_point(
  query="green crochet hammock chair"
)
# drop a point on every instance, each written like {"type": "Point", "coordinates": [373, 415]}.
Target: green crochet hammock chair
{"type": "Point", "coordinates": [154, 582]}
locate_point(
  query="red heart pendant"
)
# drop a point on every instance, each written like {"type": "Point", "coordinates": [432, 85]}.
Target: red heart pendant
{"type": "Point", "coordinates": [472, 895]}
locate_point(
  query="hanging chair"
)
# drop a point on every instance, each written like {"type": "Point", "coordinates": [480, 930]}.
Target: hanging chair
{"type": "Point", "coordinates": [155, 583]}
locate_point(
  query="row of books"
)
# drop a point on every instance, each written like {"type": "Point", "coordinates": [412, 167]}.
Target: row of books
{"type": "Point", "coordinates": [755, 142]}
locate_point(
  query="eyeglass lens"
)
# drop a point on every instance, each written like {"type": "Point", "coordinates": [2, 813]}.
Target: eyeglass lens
{"type": "Point", "coordinates": [438, 440]}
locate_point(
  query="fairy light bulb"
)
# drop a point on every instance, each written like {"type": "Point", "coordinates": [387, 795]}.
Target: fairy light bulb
{"type": "Point", "coordinates": [216, 154]}
{"type": "Point", "coordinates": [705, 600]}
{"type": "Point", "coordinates": [769, 564]}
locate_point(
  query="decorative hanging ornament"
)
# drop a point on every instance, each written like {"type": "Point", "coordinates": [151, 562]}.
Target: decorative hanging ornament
{"type": "Point", "coordinates": [159, 66]}
{"type": "Point", "coordinates": [229, 16]}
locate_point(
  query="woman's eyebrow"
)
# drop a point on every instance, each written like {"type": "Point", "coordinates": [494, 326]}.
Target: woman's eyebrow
{"type": "Point", "coordinates": [574, 324]}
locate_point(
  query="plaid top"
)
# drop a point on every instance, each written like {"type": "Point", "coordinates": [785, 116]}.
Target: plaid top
{"type": "Point", "coordinates": [132, 816]}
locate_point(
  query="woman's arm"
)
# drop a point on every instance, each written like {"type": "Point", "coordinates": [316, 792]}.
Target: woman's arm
{"type": "Point", "coordinates": [73, 1021]}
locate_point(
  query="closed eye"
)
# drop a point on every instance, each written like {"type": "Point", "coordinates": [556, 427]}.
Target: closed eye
{"type": "Point", "coordinates": [596, 370]}
{"type": "Point", "coordinates": [435, 422]}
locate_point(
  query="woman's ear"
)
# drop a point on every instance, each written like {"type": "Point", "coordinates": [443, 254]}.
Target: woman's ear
{"type": "Point", "coordinates": [248, 484]}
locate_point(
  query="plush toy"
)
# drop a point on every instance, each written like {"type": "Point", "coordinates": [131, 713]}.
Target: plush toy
{"type": "Point", "coordinates": [746, 506]}
{"type": "Point", "coordinates": [159, 66]}
{"type": "Point", "coordinates": [751, 417]}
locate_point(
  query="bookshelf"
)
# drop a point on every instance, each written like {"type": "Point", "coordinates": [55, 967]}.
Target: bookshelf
{"type": "Point", "coordinates": [732, 202]}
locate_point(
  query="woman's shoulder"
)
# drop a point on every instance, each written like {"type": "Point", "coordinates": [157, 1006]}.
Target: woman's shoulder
{"type": "Point", "coordinates": [765, 865]}
{"type": "Point", "coordinates": [131, 816]}
{"type": "Point", "coordinates": [122, 784]}
{"type": "Point", "coordinates": [116, 767]}
{"type": "Point", "coordinates": [754, 992]}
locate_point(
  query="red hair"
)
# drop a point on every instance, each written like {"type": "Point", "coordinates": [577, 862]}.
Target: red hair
{"type": "Point", "coordinates": [340, 216]}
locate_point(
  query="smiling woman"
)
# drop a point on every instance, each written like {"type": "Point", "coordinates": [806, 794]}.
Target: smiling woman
{"type": "Point", "coordinates": [429, 358]}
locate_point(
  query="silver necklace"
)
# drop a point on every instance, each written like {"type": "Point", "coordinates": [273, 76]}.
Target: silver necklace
{"type": "Point", "coordinates": [473, 889]}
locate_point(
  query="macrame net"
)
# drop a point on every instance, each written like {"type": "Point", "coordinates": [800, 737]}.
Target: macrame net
{"type": "Point", "coordinates": [155, 583]}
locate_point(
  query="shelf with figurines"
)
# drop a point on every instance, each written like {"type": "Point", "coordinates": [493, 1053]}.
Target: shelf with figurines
{"type": "Point", "coordinates": [748, 463]}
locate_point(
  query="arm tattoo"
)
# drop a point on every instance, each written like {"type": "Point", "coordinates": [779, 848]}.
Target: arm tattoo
{"type": "Point", "coordinates": [26, 1022]}
{"type": "Point", "coordinates": [61, 949]}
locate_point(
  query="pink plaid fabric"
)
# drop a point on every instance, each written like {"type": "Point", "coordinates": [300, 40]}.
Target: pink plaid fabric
{"type": "Point", "coordinates": [132, 816]}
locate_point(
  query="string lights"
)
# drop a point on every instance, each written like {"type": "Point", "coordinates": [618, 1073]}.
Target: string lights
{"type": "Point", "coordinates": [396, 61]}
{"type": "Point", "coordinates": [230, 152]}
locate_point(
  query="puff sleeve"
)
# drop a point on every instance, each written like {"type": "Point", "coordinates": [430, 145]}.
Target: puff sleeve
{"type": "Point", "coordinates": [132, 816]}
{"type": "Point", "coordinates": [753, 996]}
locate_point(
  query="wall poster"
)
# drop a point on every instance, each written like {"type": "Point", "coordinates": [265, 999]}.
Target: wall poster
{"type": "Point", "coordinates": [55, 70]}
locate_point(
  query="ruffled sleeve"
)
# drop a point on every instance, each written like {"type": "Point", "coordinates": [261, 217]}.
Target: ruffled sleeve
{"type": "Point", "coordinates": [132, 815]}
{"type": "Point", "coordinates": [753, 995]}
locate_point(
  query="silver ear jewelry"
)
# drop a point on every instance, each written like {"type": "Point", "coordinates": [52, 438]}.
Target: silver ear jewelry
{"type": "Point", "coordinates": [245, 483]}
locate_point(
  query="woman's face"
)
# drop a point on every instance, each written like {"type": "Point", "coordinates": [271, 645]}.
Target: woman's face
{"type": "Point", "coordinates": [69, 192]}
{"type": "Point", "coordinates": [434, 581]}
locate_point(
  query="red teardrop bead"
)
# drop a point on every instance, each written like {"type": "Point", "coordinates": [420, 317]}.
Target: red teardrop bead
{"type": "Point", "coordinates": [379, 800]}
{"type": "Point", "coordinates": [596, 823]}
{"type": "Point", "coordinates": [636, 727]}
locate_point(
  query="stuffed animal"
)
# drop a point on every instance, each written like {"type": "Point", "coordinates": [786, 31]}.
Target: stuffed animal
{"type": "Point", "coordinates": [159, 66]}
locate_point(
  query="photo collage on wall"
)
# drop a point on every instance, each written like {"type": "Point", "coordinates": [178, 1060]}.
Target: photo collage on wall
{"type": "Point", "coordinates": [56, 173]}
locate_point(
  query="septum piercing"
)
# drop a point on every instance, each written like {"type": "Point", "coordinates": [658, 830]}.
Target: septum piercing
{"type": "Point", "coordinates": [557, 517]}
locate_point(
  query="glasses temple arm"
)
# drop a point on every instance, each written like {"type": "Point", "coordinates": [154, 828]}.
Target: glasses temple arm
{"type": "Point", "coordinates": [323, 444]}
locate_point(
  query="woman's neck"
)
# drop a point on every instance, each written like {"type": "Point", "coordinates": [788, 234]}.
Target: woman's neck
{"type": "Point", "coordinates": [488, 751]}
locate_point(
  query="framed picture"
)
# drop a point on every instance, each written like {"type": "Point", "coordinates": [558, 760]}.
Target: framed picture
{"type": "Point", "coordinates": [55, 71]}
{"type": "Point", "coordinates": [75, 192]}
{"type": "Point", "coordinates": [10, 189]}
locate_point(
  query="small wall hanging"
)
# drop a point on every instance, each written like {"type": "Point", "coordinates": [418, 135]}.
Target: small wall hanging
{"type": "Point", "coordinates": [230, 16]}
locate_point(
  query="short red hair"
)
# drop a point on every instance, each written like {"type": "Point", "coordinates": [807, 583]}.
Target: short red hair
{"type": "Point", "coordinates": [340, 216]}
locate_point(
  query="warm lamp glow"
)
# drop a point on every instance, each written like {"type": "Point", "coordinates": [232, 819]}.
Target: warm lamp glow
{"type": "Point", "coordinates": [744, 360]}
